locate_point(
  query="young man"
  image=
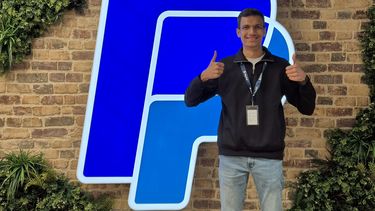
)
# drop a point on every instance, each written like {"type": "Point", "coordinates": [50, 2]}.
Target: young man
{"type": "Point", "coordinates": [252, 125]}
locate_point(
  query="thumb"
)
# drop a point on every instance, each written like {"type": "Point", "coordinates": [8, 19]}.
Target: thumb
{"type": "Point", "coordinates": [214, 57]}
{"type": "Point", "coordinates": [294, 58]}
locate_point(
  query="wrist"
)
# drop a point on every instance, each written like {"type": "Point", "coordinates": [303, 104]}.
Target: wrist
{"type": "Point", "coordinates": [302, 83]}
{"type": "Point", "coordinates": [203, 77]}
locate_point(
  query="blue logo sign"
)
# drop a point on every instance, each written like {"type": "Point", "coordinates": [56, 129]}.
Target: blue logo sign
{"type": "Point", "coordinates": [137, 128]}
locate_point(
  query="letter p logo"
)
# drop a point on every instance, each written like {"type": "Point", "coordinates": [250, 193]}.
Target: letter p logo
{"type": "Point", "coordinates": [137, 127]}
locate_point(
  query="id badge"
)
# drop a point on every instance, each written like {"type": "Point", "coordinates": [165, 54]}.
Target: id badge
{"type": "Point", "coordinates": [252, 116]}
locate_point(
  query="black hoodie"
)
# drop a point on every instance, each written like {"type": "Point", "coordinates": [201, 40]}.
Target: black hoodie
{"type": "Point", "coordinates": [235, 137]}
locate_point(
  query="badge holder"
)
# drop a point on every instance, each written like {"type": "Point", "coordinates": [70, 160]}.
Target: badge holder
{"type": "Point", "coordinates": [252, 115]}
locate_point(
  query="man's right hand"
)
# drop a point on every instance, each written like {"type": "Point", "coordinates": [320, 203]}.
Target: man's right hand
{"type": "Point", "coordinates": [214, 69]}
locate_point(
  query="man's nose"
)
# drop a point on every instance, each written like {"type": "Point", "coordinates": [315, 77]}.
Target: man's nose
{"type": "Point", "coordinates": [252, 29]}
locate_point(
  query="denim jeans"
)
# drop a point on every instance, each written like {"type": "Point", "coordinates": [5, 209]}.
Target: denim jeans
{"type": "Point", "coordinates": [234, 173]}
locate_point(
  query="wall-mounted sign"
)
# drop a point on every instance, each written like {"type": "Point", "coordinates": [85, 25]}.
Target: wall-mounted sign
{"type": "Point", "coordinates": [137, 128]}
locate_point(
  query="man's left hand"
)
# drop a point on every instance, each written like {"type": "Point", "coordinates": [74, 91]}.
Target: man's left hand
{"type": "Point", "coordinates": [294, 71]}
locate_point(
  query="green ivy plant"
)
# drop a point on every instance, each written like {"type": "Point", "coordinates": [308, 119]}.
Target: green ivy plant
{"type": "Point", "coordinates": [28, 183]}
{"type": "Point", "coordinates": [346, 180]}
{"type": "Point", "coordinates": [368, 46]}
{"type": "Point", "coordinates": [21, 21]}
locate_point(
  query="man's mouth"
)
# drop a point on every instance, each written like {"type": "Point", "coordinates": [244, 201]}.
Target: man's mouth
{"type": "Point", "coordinates": [251, 38]}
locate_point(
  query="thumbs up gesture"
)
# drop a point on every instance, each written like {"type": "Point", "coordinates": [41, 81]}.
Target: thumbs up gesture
{"type": "Point", "coordinates": [214, 69]}
{"type": "Point", "coordinates": [294, 71]}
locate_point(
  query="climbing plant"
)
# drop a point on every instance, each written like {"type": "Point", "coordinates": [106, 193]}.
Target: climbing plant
{"type": "Point", "coordinates": [368, 53]}
{"type": "Point", "coordinates": [346, 180]}
{"type": "Point", "coordinates": [21, 21]}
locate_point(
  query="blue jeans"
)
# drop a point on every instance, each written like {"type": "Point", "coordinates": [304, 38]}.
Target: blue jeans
{"type": "Point", "coordinates": [234, 173]}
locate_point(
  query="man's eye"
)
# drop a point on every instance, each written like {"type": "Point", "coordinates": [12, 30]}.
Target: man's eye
{"type": "Point", "coordinates": [256, 27]}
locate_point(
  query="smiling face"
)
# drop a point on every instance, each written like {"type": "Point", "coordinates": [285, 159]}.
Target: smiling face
{"type": "Point", "coordinates": [251, 32]}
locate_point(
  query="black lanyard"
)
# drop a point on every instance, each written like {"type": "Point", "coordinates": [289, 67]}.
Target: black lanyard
{"type": "Point", "coordinates": [257, 83]}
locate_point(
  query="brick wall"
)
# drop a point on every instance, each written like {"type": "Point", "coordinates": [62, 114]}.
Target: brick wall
{"type": "Point", "coordinates": [43, 100]}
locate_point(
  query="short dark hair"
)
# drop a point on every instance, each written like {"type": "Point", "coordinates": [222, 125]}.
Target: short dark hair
{"type": "Point", "coordinates": [249, 12]}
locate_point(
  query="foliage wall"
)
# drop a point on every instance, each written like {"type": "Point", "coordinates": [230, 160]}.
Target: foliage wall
{"type": "Point", "coordinates": [21, 21]}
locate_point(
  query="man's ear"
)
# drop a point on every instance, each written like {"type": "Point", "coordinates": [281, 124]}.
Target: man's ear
{"type": "Point", "coordinates": [238, 31]}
